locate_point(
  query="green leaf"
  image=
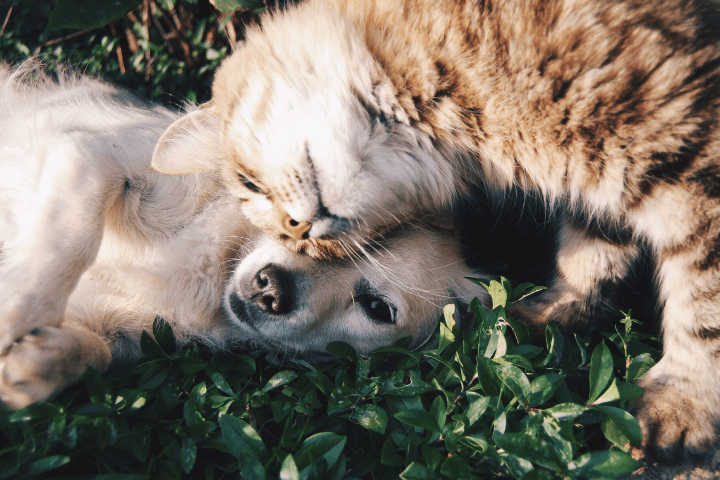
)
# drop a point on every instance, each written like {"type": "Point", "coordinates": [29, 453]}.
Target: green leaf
{"type": "Point", "coordinates": [432, 456]}
{"type": "Point", "coordinates": [150, 347]}
{"type": "Point", "coordinates": [519, 467]}
{"type": "Point", "coordinates": [455, 467]}
{"type": "Point", "coordinates": [601, 368]}
{"type": "Point", "coordinates": [515, 380]}
{"type": "Point", "coordinates": [486, 333]}
{"type": "Point", "coordinates": [164, 336]}
{"type": "Point", "coordinates": [280, 379]}
{"type": "Point", "coordinates": [446, 335]}
{"type": "Point", "coordinates": [498, 293]}
{"type": "Point", "coordinates": [188, 454]}
{"type": "Point", "coordinates": [523, 290]}
{"type": "Point", "coordinates": [389, 455]}
{"type": "Point", "coordinates": [543, 387]}
{"type": "Point", "coordinates": [604, 464]}
{"type": "Point", "coordinates": [623, 422]}
{"type": "Point", "coordinates": [630, 391]}
{"type": "Point", "coordinates": [551, 428]}
{"type": "Point", "coordinates": [438, 412]}
{"type": "Point", "coordinates": [610, 395]}
{"type": "Point", "coordinates": [639, 366]}
{"type": "Point", "coordinates": [565, 411]}
{"type": "Point", "coordinates": [448, 312]}
{"type": "Point", "coordinates": [46, 464]}
{"type": "Point", "coordinates": [342, 350]}
{"type": "Point", "coordinates": [321, 381]}
{"type": "Point", "coordinates": [371, 417]}
{"type": "Point", "coordinates": [555, 346]}
{"type": "Point", "coordinates": [220, 382]}
{"type": "Point", "coordinates": [533, 449]}
{"type": "Point", "coordinates": [417, 471]}
{"type": "Point", "coordinates": [523, 334]}
{"type": "Point", "coordinates": [245, 444]}
{"type": "Point", "coordinates": [77, 14]}
{"type": "Point", "coordinates": [289, 470]}
{"type": "Point", "coordinates": [478, 405]}
{"type": "Point", "coordinates": [487, 376]}
{"type": "Point", "coordinates": [325, 445]}
{"type": "Point", "coordinates": [419, 418]}
{"type": "Point", "coordinates": [229, 6]}
{"type": "Point", "coordinates": [340, 398]}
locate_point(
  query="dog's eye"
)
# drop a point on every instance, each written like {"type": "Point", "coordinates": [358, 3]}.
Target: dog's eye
{"type": "Point", "coordinates": [248, 184]}
{"type": "Point", "coordinates": [378, 309]}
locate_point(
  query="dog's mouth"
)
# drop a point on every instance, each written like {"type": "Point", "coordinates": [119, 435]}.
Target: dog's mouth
{"type": "Point", "coordinates": [239, 311]}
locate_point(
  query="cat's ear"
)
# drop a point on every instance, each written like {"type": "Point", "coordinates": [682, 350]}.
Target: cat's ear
{"type": "Point", "coordinates": [190, 145]}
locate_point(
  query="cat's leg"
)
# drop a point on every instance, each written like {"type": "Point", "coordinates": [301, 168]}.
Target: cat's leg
{"type": "Point", "coordinates": [680, 409]}
{"type": "Point", "coordinates": [47, 360]}
{"type": "Point", "coordinates": [589, 268]}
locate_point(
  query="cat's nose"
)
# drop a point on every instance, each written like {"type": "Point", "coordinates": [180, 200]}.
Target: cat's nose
{"type": "Point", "coordinates": [271, 291]}
{"type": "Point", "coordinates": [297, 230]}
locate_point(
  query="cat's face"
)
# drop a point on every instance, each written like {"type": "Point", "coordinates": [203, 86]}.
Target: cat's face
{"type": "Point", "coordinates": [313, 143]}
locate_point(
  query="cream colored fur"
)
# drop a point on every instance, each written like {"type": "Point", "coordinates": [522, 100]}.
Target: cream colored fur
{"type": "Point", "coordinates": [94, 246]}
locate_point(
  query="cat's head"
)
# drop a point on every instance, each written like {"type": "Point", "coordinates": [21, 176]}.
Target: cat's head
{"type": "Point", "coordinates": [306, 130]}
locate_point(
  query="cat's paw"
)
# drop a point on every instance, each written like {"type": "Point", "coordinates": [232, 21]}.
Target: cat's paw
{"type": "Point", "coordinates": [676, 424]}
{"type": "Point", "coordinates": [47, 360]}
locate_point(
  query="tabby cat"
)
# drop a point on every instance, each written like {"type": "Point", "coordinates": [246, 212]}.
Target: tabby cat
{"type": "Point", "coordinates": [338, 119]}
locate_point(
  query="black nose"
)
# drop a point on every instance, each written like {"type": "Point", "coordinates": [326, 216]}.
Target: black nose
{"type": "Point", "coordinates": [271, 290]}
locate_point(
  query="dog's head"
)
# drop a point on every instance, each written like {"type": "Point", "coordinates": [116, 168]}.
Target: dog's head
{"type": "Point", "coordinates": [396, 289]}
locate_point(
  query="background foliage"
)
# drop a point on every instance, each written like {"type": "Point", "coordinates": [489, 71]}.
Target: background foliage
{"type": "Point", "coordinates": [484, 403]}
{"type": "Point", "coordinates": [164, 49]}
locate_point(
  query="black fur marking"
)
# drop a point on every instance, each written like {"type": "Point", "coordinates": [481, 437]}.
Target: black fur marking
{"type": "Point", "coordinates": [708, 179]}
{"type": "Point", "coordinates": [712, 257]}
{"type": "Point", "coordinates": [560, 89]}
{"type": "Point", "coordinates": [708, 333]}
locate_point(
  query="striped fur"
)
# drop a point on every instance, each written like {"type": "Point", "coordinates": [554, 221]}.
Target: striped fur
{"type": "Point", "coordinates": [337, 119]}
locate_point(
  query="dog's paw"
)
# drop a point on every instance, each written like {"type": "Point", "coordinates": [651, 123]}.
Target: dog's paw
{"type": "Point", "coordinates": [47, 360]}
{"type": "Point", "coordinates": [676, 424]}
{"type": "Point", "coordinates": [21, 314]}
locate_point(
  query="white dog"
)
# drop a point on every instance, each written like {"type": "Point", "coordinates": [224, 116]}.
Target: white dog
{"type": "Point", "coordinates": [94, 246]}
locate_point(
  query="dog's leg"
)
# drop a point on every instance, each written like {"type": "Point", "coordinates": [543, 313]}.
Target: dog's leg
{"type": "Point", "coordinates": [47, 360]}
{"type": "Point", "coordinates": [589, 268]}
{"type": "Point", "coordinates": [58, 236]}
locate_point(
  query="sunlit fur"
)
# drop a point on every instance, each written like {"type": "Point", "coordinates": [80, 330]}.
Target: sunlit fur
{"type": "Point", "coordinates": [353, 115]}
{"type": "Point", "coordinates": [94, 246]}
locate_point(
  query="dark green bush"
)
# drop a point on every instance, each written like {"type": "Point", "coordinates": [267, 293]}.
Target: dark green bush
{"type": "Point", "coordinates": [482, 404]}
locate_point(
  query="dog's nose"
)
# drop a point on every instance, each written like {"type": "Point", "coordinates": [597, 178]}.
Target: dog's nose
{"type": "Point", "coordinates": [270, 290]}
{"type": "Point", "coordinates": [291, 227]}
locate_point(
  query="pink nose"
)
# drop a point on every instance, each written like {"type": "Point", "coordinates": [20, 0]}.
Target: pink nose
{"type": "Point", "coordinates": [292, 228]}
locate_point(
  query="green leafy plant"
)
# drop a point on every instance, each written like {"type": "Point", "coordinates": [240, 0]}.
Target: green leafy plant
{"type": "Point", "coordinates": [484, 402]}
{"type": "Point", "coordinates": [164, 49]}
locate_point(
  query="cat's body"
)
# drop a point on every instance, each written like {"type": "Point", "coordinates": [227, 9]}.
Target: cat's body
{"type": "Point", "coordinates": [340, 118]}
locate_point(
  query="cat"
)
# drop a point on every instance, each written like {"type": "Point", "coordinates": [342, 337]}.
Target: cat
{"type": "Point", "coordinates": [336, 120]}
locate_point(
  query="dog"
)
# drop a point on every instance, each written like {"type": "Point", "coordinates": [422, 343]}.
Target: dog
{"type": "Point", "coordinates": [94, 246]}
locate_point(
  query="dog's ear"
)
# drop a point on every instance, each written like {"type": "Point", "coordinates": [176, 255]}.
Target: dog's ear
{"type": "Point", "coordinates": [190, 145]}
